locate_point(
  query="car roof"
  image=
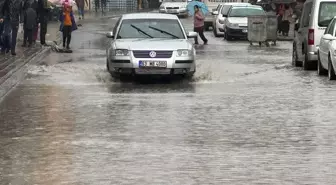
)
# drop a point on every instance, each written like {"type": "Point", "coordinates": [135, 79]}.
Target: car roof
{"type": "Point", "coordinates": [251, 6]}
{"type": "Point", "coordinates": [149, 16]}
{"type": "Point", "coordinates": [238, 4]}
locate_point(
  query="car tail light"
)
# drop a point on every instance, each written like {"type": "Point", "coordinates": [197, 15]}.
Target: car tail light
{"type": "Point", "coordinates": [311, 37]}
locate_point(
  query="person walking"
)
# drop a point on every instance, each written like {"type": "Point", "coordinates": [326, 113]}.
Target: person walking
{"type": "Point", "coordinates": [97, 5]}
{"type": "Point", "coordinates": [285, 20]}
{"type": "Point", "coordinates": [43, 17]}
{"type": "Point", "coordinates": [281, 11]}
{"type": "Point", "coordinates": [199, 24]}
{"type": "Point", "coordinates": [10, 15]}
{"type": "Point", "coordinates": [81, 7]}
{"type": "Point", "coordinates": [29, 24]}
{"type": "Point", "coordinates": [68, 25]}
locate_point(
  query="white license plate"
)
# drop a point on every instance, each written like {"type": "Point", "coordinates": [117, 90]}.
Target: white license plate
{"type": "Point", "coordinates": [152, 64]}
{"type": "Point", "coordinates": [244, 31]}
{"type": "Point", "coordinates": [172, 11]}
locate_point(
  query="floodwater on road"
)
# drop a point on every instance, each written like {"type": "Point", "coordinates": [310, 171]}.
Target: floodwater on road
{"type": "Point", "coordinates": [247, 117]}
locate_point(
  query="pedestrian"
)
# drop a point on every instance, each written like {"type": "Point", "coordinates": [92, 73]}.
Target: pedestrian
{"type": "Point", "coordinates": [29, 24]}
{"type": "Point", "coordinates": [68, 25]}
{"type": "Point", "coordinates": [199, 24]}
{"type": "Point", "coordinates": [285, 20]}
{"type": "Point", "coordinates": [103, 5]}
{"type": "Point", "coordinates": [81, 5]}
{"type": "Point", "coordinates": [280, 13]}
{"type": "Point", "coordinates": [97, 5]}
{"type": "Point", "coordinates": [10, 14]}
{"type": "Point", "coordinates": [43, 10]}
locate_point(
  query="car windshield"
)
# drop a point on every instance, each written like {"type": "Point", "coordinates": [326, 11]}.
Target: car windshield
{"type": "Point", "coordinates": [150, 28]}
{"type": "Point", "coordinates": [327, 13]}
{"type": "Point", "coordinates": [246, 11]}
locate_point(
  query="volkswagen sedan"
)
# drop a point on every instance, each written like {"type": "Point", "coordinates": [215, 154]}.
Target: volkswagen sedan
{"type": "Point", "coordinates": [150, 44]}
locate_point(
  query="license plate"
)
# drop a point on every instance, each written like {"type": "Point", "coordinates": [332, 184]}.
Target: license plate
{"type": "Point", "coordinates": [172, 11]}
{"type": "Point", "coordinates": [152, 64]}
{"type": "Point", "coordinates": [244, 31]}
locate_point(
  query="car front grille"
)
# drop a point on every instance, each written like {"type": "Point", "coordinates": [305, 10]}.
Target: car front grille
{"type": "Point", "coordinates": [172, 8]}
{"type": "Point", "coordinates": [145, 54]}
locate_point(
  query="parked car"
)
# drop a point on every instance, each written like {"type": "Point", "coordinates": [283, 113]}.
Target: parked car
{"type": "Point", "coordinates": [315, 18]}
{"type": "Point", "coordinates": [326, 56]}
{"type": "Point", "coordinates": [150, 44]}
{"type": "Point", "coordinates": [235, 24]}
{"type": "Point", "coordinates": [176, 7]}
{"type": "Point", "coordinates": [218, 18]}
{"type": "Point", "coordinates": [209, 17]}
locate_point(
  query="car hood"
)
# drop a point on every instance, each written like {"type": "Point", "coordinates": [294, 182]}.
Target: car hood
{"type": "Point", "coordinates": [174, 4]}
{"type": "Point", "coordinates": [152, 44]}
{"type": "Point", "coordinates": [242, 21]}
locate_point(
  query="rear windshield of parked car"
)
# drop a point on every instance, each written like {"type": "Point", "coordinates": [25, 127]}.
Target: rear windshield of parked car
{"type": "Point", "coordinates": [327, 13]}
{"type": "Point", "coordinates": [245, 11]}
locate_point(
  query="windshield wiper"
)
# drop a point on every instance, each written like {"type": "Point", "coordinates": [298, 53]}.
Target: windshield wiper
{"type": "Point", "coordinates": [141, 31]}
{"type": "Point", "coordinates": [165, 32]}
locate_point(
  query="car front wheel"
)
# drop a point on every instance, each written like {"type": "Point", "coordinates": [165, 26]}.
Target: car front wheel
{"type": "Point", "coordinates": [331, 71]}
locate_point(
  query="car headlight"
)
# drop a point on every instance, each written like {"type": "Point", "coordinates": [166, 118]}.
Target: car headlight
{"type": "Point", "coordinates": [184, 53]}
{"type": "Point", "coordinates": [232, 25]}
{"type": "Point", "coordinates": [120, 52]}
{"type": "Point", "coordinates": [183, 6]}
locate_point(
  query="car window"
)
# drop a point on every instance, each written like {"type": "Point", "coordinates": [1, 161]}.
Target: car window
{"type": "Point", "coordinates": [225, 9]}
{"type": "Point", "coordinates": [306, 14]}
{"type": "Point", "coordinates": [326, 13]}
{"type": "Point", "coordinates": [245, 11]}
{"type": "Point", "coordinates": [150, 28]}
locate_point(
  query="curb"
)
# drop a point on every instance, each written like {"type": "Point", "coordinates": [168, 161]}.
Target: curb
{"type": "Point", "coordinates": [8, 82]}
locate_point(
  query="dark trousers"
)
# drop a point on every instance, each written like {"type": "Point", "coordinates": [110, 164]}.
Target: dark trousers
{"type": "Point", "coordinates": [28, 36]}
{"type": "Point", "coordinates": [280, 24]}
{"type": "Point", "coordinates": [15, 29]}
{"type": "Point", "coordinates": [6, 37]}
{"type": "Point", "coordinates": [97, 5]}
{"type": "Point", "coordinates": [285, 27]}
{"type": "Point", "coordinates": [67, 35]}
{"type": "Point", "coordinates": [43, 32]}
{"type": "Point", "coordinates": [200, 31]}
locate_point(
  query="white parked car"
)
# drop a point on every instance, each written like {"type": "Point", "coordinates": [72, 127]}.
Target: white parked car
{"type": "Point", "coordinates": [326, 54]}
{"type": "Point", "coordinates": [315, 18]}
{"type": "Point", "coordinates": [235, 24]}
{"type": "Point", "coordinates": [176, 7]}
{"type": "Point", "coordinates": [220, 15]}
{"type": "Point", "coordinates": [150, 44]}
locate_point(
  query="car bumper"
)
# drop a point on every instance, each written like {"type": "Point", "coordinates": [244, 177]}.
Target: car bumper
{"type": "Point", "coordinates": [131, 67]}
{"type": "Point", "coordinates": [181, 12]}
{"type": "Point", "coordinates": [312, 53]}
{"type": "Point", "coordinates": [236, 32]}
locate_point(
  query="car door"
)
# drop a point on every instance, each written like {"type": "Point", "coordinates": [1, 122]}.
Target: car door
{"type": "Point", "coordinates": [303, 30]}
{"type": "Point", "coordinates": [324, 44]}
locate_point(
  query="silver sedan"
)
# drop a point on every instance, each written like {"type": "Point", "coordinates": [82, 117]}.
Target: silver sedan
{"type": "Point", "coordinates": [150, 44]}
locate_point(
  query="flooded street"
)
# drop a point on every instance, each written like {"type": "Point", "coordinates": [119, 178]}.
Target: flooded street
{"type": "Point", "coordinates": [247, 117]}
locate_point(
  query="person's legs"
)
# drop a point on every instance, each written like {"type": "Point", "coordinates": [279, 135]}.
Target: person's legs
{"type": "Point", "coordinates": [25, 37]}
{"type": "Point", "coordinates": [15, 29]}
{"type": "Point", "coordinates": [30, 37]}
{"type": "Point", "coordinates": [64, 36]}
{"type": "Point", "coordinates": [196, 38]}
{"type": "Point", "coordinates": [201, 34]}
{"type": "Point", "coordinates": [43, 32]}
{"type": "Point", "coordinates": [68, 36]}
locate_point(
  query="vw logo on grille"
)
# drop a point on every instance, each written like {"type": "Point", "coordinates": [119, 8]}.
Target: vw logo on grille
{"type": "Point", "coordinates": [152, 54]}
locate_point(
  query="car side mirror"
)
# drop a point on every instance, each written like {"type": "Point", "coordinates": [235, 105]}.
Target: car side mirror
{"type": "Point", "coordinates": [191, 34]}
{"type": "Point", "coordinates": [328, 37]}
{"type": "Point", "coordinates": [215, 13]}
{"type": "Point", "coordinates": [109, 34]}
{"type": "Point", "coordinates": [297, 26]}
{"type": "Point", "coordinates": [224, 15]}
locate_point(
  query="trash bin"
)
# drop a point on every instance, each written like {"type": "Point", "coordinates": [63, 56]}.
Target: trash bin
{"type": "Point", "coordinates": [272, 28]}
{"type": "Point", "coordinates": [257, 31]}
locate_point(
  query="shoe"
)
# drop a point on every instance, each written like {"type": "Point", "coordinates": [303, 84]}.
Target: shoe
{"type": "Point", "coordinates": [29, 45]}
{"type": "Point", "coordinates": [206, 42]}
{"type": "Point", "coordinates": [23, 45]}
{"type": "Point", "coordinates": [13, 53]}
{"type": "Point", "coordinates": [68, 48]}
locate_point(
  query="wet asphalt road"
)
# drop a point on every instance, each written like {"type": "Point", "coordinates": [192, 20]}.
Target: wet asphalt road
{"type": "Point", "coordinates": [247, 117]}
